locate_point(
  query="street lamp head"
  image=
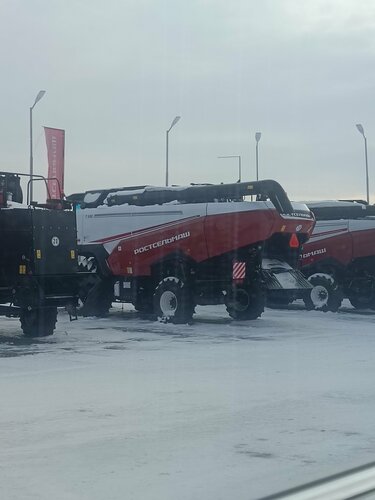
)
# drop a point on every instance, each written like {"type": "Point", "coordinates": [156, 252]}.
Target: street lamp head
{"type": "Point", "coordinates": [175, 120]}
{"type": "Point", "coordinates": [360, 129]}
{"type": "Point", "coordinates": [230, 156]}
{"type": "Point", "coordinates": [258, 135]}
{"type": "Point", "coordinates": [39, 96]}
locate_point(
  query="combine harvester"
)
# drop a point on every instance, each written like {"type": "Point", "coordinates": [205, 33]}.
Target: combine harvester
{"type": "Point", "coordinates": [339, 258]}
{"type": "Point", "coordinates": [168, 249]}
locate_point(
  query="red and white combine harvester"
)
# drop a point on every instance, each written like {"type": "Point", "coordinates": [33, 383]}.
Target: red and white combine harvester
{"type": "Point", "coordinates": [166, 250]}
{"type": "Point", "coordinates": [339, 259]}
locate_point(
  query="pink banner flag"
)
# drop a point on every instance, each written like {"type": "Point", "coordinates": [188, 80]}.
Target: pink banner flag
{"type": "Point", "coordinates": [55, 139]}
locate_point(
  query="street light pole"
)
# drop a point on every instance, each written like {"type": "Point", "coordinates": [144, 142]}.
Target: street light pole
{"type": "Point", "coordinates": [175, 120]}
{"type": "Point", "coordinates": [362, 132]}
{"type": "Point", "coordinates": [239, 164]}
{"type": "Point", "coordinates": [258, 135]}
{"type": "Point", "coordinates": [37, 99]}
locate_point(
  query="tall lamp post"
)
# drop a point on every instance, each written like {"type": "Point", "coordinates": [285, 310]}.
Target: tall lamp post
{"type": "Point", "coordinates": [258, 135]}
{"type": "Point", "coordinates": [175, 120]}
{"type": "Point", "coordinates": [239, 164]}
{"type": "Point", "coordinates": [362, 132]}
{"type": "Point", "coordinates": [37, 99]}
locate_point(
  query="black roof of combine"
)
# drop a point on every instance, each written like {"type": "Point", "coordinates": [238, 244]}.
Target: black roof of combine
{"type": "Point", "coordinates": [336, 209]}
{"type": "Point", "coordinates": [197, 193]}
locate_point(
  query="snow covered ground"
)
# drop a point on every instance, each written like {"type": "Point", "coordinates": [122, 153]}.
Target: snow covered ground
{"type": "Point", "coordinates": [124, 408]}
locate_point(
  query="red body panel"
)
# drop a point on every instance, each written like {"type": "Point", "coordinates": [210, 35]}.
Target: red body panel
{"type": "Point", "coordinates": [136, 254]}
{"type": "Point", "coordinates": [342, 241]}
{"type": "Point", "coordinates": [364, 243]}
{"type": "Point", "coordinates": [339, 248]}
{"type": "Point", "coordinates": [199, 238]}
{"type": "Point", "coordinates": [226, 232]}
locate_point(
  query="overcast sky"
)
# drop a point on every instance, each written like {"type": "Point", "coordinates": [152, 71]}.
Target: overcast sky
{"type": "Point", "coordinates": [117, 73]}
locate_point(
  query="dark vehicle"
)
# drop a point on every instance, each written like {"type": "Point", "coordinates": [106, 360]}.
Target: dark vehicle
{"type": "Point", "coordinates": [166, 250]}
{"type": "Point", "coordinates": [38, 259]}
{"type": "Point", "coordinates": [339, 258]}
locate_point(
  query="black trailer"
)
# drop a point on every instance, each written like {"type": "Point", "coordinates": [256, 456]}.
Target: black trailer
{"type": "Point", "coordinates": [38, 259]}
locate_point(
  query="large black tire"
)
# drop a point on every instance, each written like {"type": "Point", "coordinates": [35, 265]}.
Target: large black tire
{"type": "Point", "coordinates": [144, 305]}
{"type": "Point", "coordinates": [362, 302]}
{"type": "Point", "coordinates": [92, 300]}
{"type": "Point", "coordinates": [245, 302]}
{"type": "Point", "coordinates": [173, 301]}
{"type": "Point", "coordinates": [325, 296]}
{"type": "Point", "coordinates": [86, 284]}
{"type": "Point", "coordinates": [38, 322]}
{"type": "Point", "coordinates": [95, 294]}
{"type": "Point", "coordinates": [87, 281]}
{"type": "Point", "coordinates": [99, 299]}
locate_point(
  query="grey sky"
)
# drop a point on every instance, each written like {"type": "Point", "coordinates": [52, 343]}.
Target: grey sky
{"type": "Point", "coordinates": [117, 72]}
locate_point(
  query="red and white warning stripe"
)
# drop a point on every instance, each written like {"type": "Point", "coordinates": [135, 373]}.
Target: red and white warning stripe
{"type": "Point", "coordinates": [239, 270]}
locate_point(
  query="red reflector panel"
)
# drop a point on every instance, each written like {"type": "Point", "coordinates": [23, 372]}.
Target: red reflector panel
{"type": "Point", "coordinates": [293, 242]}
{"type": "Point", "coordinates": [239, 270]}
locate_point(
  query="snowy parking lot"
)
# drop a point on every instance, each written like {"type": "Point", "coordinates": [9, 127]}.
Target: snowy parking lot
{"type": "Point", "coordinates": [125, 408]}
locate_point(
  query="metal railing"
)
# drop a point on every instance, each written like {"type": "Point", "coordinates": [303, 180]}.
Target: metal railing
{"type": "Point", "coordinates": [354, 483]}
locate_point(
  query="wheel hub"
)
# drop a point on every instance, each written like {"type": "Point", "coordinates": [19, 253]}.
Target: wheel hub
{"type": "Point", "coordinates": [168, 303]}
{"type": "Point", "coordinates": [240, 301]}
{"type": "Point", "coordinates": [319, 296]}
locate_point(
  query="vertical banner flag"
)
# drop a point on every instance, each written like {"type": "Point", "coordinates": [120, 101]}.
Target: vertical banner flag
{"type": "Point", "coordinates": [55, 139]}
